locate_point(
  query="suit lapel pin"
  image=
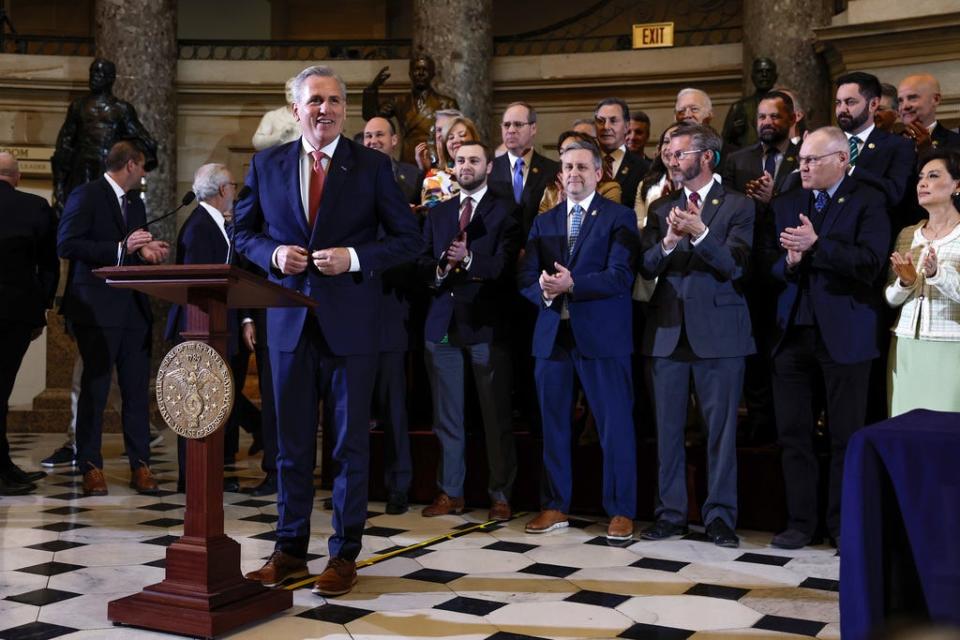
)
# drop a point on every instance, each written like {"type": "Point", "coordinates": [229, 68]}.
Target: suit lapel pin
{"type": "Point", "coordinates": [871, 146]}
{"type": "Point", "coordinates": [593, 213]}
{"type": "Point", "coordinates": [935, 143]}
{"type": "Point", "coordinates": [791, 159]}
{"type": "Point", "coordinates": [403, 177]}
{"type": "Point", "coordinates": [535, 170]}
{"type": "Point", "coordinates": [714, 202]}
{"type": "Point", "coordinates": [841, 199]}
{"type": "Point", "coordinates": [624, 171]}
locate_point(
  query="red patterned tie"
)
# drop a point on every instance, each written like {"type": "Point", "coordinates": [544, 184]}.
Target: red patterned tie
{"type": "Point", "coordinates": [317, 179]}
{"type": "Point", "coordinates": [466, 210]}
{"type": "Point", "coordinates": [695, 199]}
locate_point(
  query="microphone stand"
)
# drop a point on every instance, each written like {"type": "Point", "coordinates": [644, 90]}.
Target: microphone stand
{"type": "Point", "coordinates": [187, 199]}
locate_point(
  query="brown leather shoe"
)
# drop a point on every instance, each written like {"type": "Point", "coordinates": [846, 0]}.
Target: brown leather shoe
{"type": "Point", "coordinates": [279, 568]}
{"type": "Point", "coordinates": [443, 505]}
{"type": "Point", "coordinates": [143, 481]}
{"type": "Point", "coordinates": [94, 483]}
{"type": "Point", "coordinates": [547, 520]}
{"type": "Point", "coordinates": [620, 528]}
{"type": "Point", "coordinates": [500, 511]}
{"type": "Point", "coordinates": [337, 579]}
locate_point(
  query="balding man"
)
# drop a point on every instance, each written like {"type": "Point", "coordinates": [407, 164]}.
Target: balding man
{"type": "Point", "coordinates": [379, 134]}
{"type": "Point", "coordinates": [694, 106]}
{"type": "Point", "coordinates": [833, 237]}
{"type": "Point", "coordinates": [918, 97]}
{"type": "Point", "coordinates": [29, 272]}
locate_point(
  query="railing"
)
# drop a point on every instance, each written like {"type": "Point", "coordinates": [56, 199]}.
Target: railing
{"type": "Point", "coordinates": [398, 49]}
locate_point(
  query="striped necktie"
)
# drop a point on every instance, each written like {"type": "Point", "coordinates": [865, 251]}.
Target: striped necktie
{"type": "Point", "coordinates": [854, 149]}
{"type": "Point", "coordinates": [576, 220]}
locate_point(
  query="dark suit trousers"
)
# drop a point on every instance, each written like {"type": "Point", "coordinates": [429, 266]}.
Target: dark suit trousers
{"type": "Point", "coordinates": [718, 382]}
{"type": "Point", "coordinates": [802, 356]}
{"type": "Point", "coordinates": [608, 385]}
{"type": "Point", "coordinates": [491, 367]}
{"type": "Point", "coordinates": [391, 399]}
{"type": "Point", "coordinates": [128, 348]}
{"type": "Point", "coordinates": [14, 340]}
{"type": "Point", "coordinates": [300, 379]}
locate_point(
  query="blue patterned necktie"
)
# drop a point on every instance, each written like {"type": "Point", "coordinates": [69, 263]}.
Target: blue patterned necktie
{"type": "Point", "coordinates": [518, 180]}
{"type": "Point", "coordinates": [575, 221]}
{"type": "Point", "coordinates": [854, 149]}
{"type": "Point", "coordinates": [820, 202]}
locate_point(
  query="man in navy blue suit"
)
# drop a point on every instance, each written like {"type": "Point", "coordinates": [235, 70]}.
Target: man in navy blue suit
{"type": "Point", "coordinates": [112, 326]}
{"type": "Point", "coordinates": [312, 221]}
{"type": "Point", "coordinates": [578, 271]}
{"type": "Point", "coordinates": [697, 243]}
{"type": "Point", "coordinates": [471, 245]}
{"type": "Point", "coordinates": [834, 235]}
{"type": "Point", "coordinates": [885, 161]}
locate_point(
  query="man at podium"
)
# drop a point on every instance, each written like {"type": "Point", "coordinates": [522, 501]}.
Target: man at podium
{"type": "Point", "coordinates": [311, 222]}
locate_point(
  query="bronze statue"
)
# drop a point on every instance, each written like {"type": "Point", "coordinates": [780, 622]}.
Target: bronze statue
{"type": "Point", "coordinates": [740, 127]}
{"type": "Point", "coordinates": [414, 111]}
{"type": "Point", "coordinates": [94, 123]}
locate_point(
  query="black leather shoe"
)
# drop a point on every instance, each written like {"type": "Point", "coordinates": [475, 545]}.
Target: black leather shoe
{"type": "Point", "coordinates": [16, 475]}
{"type": "Point", "coordinates": [662, 529]}
{"type": "Point", "coordinates": [267, 487]}
{"type": "Point", "coordinates": [396, 503]}
{"type": "Point", "coordinates": [15, 488]}
{"type": "Point", "coordinates": [722, 535]}
{"type": "Point", "coordinates": [791, 539]}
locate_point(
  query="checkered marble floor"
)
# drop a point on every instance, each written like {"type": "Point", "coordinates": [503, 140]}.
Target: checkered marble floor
{"type": "Point", "coordinates": [63, 557]}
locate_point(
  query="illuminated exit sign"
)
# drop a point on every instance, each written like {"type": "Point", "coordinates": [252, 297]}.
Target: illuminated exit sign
{"type": "Point", "coordinates": [650, 36]}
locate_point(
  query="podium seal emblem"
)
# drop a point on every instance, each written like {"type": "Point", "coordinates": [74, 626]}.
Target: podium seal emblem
{"type": "Point", "coordinates": [194, 389]}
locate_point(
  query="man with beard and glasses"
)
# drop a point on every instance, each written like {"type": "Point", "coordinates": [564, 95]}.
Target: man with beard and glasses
{"type": "Point", "coordinates": [697, 243]}
{"type": "Point", "coordinates": [471, 245]}
{"type": "Point", "coordinates": [880, 159]}
{"type": "Point", "coordinates": [762, 171]}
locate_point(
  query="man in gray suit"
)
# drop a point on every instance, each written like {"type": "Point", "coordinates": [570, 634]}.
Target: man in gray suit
{"type": "Point", "coordinates": [697, 242]}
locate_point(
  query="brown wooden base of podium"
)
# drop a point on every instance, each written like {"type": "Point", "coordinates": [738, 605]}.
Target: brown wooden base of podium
{"type": "Point", "coordinates": [202, 595]}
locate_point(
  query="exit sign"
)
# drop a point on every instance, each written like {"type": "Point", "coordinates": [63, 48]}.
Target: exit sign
{"type": "Point", "coordinates": [650, 36]}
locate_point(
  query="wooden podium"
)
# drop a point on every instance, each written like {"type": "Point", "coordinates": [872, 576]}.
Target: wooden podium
{"type": "Point", "coordinates": [204, 593]}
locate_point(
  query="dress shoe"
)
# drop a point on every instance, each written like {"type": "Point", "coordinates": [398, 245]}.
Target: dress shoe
{"type": "Point", "coordinates": [62, 457]}
{"type": "Point", "coordinates": [443, 505]}
{"type": "Point", "coordinates": [396, 503]}
{"type": "Point", "coordinates": [231, 485]}
{"type": "Point", "coordinates": [620, 528]}
{"type": "Point", "coordinates": [662, 529]}
{"type": "Point", "coordinates": [791, 539]}
{"type": "Point", "coordinates": [94, 483]}
{"type": "Point", "coordinates": [15, 475]}
{"type": "Point", "coordinates": [267, 486]}
{"type": "Point", "coordinates": [722, 535]}
{"type": "Point", "coordinates": [337, 579]}
{"type": "Point", "coordinates": [500, 511]}
{"type": "Point", "coordinates": [547, 520]}
{"type": "Point", "coordinates": [143, 482]}
{"type": "Point", "coordinates": [279, 568]}
{"type": "Point", "coordinates": [14, 488]}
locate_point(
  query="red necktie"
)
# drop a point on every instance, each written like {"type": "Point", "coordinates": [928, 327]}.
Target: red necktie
{"type": "Point", "coordinates": [695, 199]}
{"type": "Point", "coordinates": [466, 210]}
{"type": "Point", "coordinates": [316, 186]}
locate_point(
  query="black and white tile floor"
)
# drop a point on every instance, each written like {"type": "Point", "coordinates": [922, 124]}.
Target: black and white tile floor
{"type": "Point", "coordinates": [63, 557]}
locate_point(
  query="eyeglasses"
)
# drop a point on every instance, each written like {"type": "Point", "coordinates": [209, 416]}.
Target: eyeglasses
{"type": "Point", "coordinates": [515, 125]}
{"type": "Point", "coordinates": [815, 160]}
{"type": "Point", "coordinates": [678, 155]}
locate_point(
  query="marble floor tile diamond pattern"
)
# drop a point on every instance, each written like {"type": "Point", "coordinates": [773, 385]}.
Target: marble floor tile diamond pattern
{"type": "Point", "coordinates": [64, 556]}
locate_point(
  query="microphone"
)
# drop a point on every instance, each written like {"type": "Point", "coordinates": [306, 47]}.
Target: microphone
{"type": "Point", "coordinates": [187, 198]}
{"type": "Point", "coordinates": [244, 192]}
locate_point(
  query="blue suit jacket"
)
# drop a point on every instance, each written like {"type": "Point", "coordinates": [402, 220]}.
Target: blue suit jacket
{"type": "Point", "coordinates": [359, 196]}
{"type": "Point", "coordinates": [90, 232]}
{"type": "Point", "coordinates": [842, 271]}
{"type": "Point", "coordinates": [200, 242]}
{"type": "Point", "coordinates": [887, 163]}
{"type": "Point", "coordinates": [472, 301]}
{"type": "Point", "coordinates": [601, 310]}
{"type": "Point", "coordinates": [700, 287]}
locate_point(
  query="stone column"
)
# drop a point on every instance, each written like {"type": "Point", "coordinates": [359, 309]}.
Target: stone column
{"type": "Point", "coordinates": [458, 35]}
{"type": "Point", "coordinates": [783, 31]}
{"type": "Point", "coordinates": [140, 37]}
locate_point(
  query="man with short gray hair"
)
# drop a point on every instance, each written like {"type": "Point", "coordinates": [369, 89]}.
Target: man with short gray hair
{"type": "Point", "coordinates": [346, 223]}
{"type": "Point", "coordinates": [693, 106]}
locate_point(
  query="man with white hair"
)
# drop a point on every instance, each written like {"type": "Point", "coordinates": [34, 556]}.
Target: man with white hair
{"type": "Point", "coordinates": [694, 106]}
{"type": "Point", "coordinates": [832, 239]}
{"type": "Point", "coordinates": [31, 270]}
